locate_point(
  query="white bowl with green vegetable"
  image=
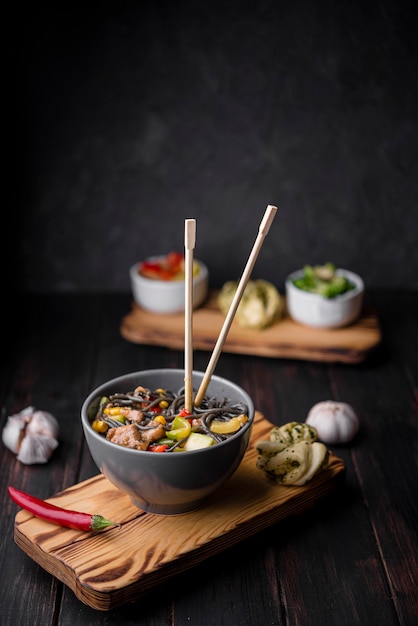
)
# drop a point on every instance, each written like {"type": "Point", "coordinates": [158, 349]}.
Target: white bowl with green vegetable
{"type": "Point", "coordinates": [324, 296]}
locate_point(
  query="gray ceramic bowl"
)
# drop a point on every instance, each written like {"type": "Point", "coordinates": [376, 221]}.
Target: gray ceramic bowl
{"type": "Point", "coordinates": [167, 483]}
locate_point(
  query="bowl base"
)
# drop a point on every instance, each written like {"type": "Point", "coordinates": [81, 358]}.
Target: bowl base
{"type": "Point", "coordinates": [167, 509]}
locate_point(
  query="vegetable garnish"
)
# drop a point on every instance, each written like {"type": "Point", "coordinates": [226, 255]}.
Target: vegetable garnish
{"type": "Point", "coordinates": [169, 267]}
{"type": "Point", "coordinates": [157, 420]}
{"type": "Point", "coordinates": [323, 280]}
{"type": "Point", "coordinates": [158, 447]}
{"type": "Point", "coordinates": [57, 515]}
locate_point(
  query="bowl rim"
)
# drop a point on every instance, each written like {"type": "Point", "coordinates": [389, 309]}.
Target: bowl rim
{"type": "Point", "coordinates": [96, 393]}
{"type": "Point", "coordinates": [358, 282]}
{"type": "Point", "coordinates": [169, 284]}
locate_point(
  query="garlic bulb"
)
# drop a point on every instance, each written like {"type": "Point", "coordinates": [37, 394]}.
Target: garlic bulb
{"type": "Point", "coordinates": [14, 431]}
{"type": "Point", "coordinates": [42, 423]}
{"type": "Point", "coordinates": [32, 435]}
{"type": "Point", "coordinates": [335, 422]}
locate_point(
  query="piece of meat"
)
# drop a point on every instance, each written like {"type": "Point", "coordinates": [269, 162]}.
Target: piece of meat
{"type": "Point", "coordinates": [153, 434]}
{"type": "Point", "coordinates": [128, 436]}
{"type": "Point", "coordinates": [131, 437]}
{"type": "Point", "coordinates": [133, 415]}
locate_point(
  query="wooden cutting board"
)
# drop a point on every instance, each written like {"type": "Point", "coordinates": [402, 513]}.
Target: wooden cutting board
{"type": "Point", "coordinates": [107, 569]}
{"type": "Point", "coordinates": [284, 339]}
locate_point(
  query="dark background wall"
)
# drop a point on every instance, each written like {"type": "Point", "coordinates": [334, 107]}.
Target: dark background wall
{"type": "Point", "coordinates": [127, 118]}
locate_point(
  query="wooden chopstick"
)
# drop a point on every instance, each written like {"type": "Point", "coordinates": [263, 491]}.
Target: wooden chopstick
{"type": "Point", "coordinates": [189, 245]}
{"type": "Point", "coordinates": [262, 232]}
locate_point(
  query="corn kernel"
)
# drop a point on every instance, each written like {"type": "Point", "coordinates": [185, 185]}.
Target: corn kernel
{"type": "Point", "coordinates": [160, 419]}
{"type": "Point", "coordinates": [99, 426]}
{"type": "Point", "coordinates": [163, 404]}
{"type": "Point", "coordinates": [112, 410]}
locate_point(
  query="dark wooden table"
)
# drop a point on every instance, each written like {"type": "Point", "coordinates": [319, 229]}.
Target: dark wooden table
{"type": "Point", "coordinates": [351, 559]}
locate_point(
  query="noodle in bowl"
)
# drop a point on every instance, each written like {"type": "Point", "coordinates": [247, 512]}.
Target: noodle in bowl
{"type": "Point", "coordinates": [167, 483]}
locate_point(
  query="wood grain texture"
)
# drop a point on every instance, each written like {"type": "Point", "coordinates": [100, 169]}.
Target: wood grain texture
{"type": "Point", "coordinates": [284, 339]}
{"type": "Point", "coordinates": [104, 571]}
{"type": "Point", "coordinates": [350, 559]}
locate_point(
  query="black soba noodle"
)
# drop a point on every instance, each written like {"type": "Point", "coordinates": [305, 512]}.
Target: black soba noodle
{"type": "Point", "coordinates": [170, 404]}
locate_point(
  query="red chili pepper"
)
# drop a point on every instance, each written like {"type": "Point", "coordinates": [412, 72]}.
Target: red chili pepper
{"type": "Point", "coordinates": [157, 447]}
{"type": "Point", "coordinates": [57, 515]}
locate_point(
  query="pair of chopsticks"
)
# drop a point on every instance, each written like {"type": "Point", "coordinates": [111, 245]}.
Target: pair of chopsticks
{"type": "Point", "coordinates": [189, 245]}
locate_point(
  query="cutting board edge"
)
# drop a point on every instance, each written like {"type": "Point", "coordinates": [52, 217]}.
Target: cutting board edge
{"type": "Point", "coordinates": [136, 327]}
{"type": "Point", "coordinates": [104, 600]}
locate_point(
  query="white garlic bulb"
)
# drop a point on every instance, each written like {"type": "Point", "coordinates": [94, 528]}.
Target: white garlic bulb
{"type": "Point", "coordinates": [335, 422]}
{"type": "Point", "coordinates": [42, 423]}
{"type": "Point", "coordinates": [14, 431]}
{"type": "Point", "coordinates": [32, 435]}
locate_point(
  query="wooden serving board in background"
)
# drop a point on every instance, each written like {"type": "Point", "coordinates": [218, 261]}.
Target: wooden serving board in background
{"type": "Point", "coordinates": [120, 565]}
{"type": "Point", "coordinates": [284, 339]}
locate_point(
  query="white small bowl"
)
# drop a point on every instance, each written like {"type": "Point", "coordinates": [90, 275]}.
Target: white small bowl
{"type": "Point", "coordinates": [167, 296]}
{"type": "Point", "coordinates": [312, 309]}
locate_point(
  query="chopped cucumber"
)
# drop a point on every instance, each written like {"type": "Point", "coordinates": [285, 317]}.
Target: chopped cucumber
{"type": "Point", "coordinates": [196, 441]}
